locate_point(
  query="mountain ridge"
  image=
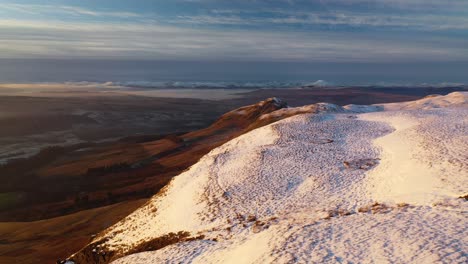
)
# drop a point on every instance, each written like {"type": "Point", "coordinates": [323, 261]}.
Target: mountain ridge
{"type": "Point", "coordinates": [253, 189]}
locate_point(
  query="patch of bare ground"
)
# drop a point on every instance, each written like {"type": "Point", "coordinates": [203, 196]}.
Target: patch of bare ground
{"type": "Point", "coordinates": [337, 213]}
{"type": "Point", "coordinates": [259, 226]}
{"type": "Point", "coordinates": [375, 208]}
{"type": "Point", "coordinates": [98, 253]}
{"type": "Point", "coordinates": [361, 164]}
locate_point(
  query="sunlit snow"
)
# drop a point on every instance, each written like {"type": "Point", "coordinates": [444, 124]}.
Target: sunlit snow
{"type": "Point", "coordinates": [364, 184]}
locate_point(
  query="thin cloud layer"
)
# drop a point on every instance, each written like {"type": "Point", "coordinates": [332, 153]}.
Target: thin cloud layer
{"type": "Point", "coordinates": [326, 30]}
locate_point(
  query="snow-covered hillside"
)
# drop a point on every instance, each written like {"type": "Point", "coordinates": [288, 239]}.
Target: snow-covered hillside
{"type": "Point", "coordinates": [361, 184]}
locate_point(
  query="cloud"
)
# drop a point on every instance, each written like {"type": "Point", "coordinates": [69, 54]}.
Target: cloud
{"type": "Point", "coordinates": [19, 38]}
{"type": "Point", "coordinates": [34, 9]}
{"type": "Point", "coordinates": [265, 33]}
{"type": "Point", "coordinates": [420, 4]}
{"type": "Point", "coordinates": [402, 3]}
{"type": "Point", "coordinates": [265, 15]}
{"type": "Point", "coordinates": [282, 18]}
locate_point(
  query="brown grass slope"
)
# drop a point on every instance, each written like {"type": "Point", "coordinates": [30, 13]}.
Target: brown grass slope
{"type": "Point", "coordinates": [63, 180]}
{"type": "Point", "coordinates": [46, 240]}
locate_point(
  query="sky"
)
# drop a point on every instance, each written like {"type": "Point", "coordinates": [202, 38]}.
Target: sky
{"type": "Point", "coordinates": [304, 31]}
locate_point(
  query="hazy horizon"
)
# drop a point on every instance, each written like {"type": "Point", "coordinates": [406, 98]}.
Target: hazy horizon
{"type": "Point", "coordinates": [147, 72]}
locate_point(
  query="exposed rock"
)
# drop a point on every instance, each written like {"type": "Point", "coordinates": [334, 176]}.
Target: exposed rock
{"type": "Point", "coordinates": [362, 164]}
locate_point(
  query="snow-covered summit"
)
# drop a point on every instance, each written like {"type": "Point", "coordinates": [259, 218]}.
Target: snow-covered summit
{"type": "Point", "coordinates": [318, 83]}
{"type": "Point", "coordinates": [455, 99]}
{"type": "Point", "coordinates": [353, 184]}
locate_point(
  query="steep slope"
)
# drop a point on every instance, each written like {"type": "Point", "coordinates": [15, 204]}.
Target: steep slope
{"type": "Point", "coordinates": [47, 240]}
{"type": "Point", "coordinates": [336, 185]}
{"type": "Point", "coordinates": [82, 179]}
{"type": "Point", "coordinates": [63, 180]}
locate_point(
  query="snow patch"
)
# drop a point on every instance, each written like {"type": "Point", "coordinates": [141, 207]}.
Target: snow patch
{"type": "Point", "coordinates": [319, 83]}
{"type": "Point", "coordinates": [363, 108]}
